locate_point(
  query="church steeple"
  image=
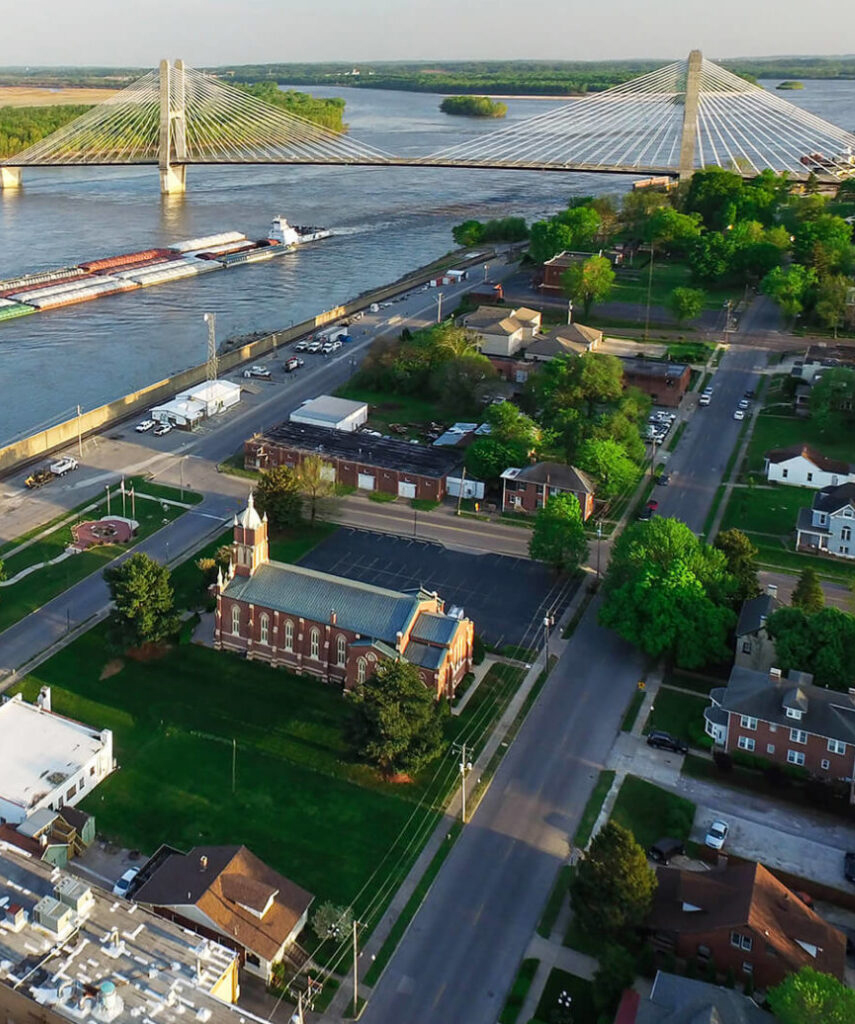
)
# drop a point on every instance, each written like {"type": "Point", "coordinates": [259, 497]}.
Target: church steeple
{"type": "Point", "coordinates": [249, 549]}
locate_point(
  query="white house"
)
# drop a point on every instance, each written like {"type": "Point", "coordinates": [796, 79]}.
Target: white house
{"type": "Point", "coordinates": [330, 412]}
{"type": "Point", "coordinates": [503, 332]}
{"type": "Point", "coordinates": [800, 465]}
{"type": "Point", "coordinates": [46, 760]}
{"type": "Point", "coordinates": [214, 395]}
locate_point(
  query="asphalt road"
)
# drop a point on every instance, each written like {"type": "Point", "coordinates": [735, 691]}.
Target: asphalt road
{"type": "Point", "coordinates": [464, 946]}
{"type": "Point", "coordinates": [698, 462]}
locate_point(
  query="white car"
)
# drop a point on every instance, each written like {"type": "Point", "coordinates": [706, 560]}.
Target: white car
{"type": "Point", "coordinates": [717, 834]}
{"type": "Point", "coordinates": [744, 403]}
{"type": "Point", "coordinates": [739, 414]}
{"type": "Point", "coordinates": [121, 887]}
{"type": "Point", "coordinates": [162, 428]}
{"type": "Point", "coordinates": [313, 346]}
{"type": "Point", "coordinates": [141, 428]}
{"type": "Point", "coordinates": [301, 346]}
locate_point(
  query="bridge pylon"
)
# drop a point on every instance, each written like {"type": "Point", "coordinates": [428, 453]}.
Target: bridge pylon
{"type": "Point", "coordinates": [691, 104]}
{"type": "Point", "coordinates": [172, 147]}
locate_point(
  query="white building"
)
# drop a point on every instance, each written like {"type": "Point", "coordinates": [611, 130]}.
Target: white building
{"type": "Point", "coordinates": [47, 760]}
{"type": "Point", "coordinates": [331, 412]}
{"type": "Point", "coordinates": [190, 407]}
{"type": "Point", "coordinates": [803, 466]}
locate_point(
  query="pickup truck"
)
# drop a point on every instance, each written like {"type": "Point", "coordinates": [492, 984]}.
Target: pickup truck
{"type": "Point", "coordinates": [63, 466]}
{"type": "Point", "coordinates": [260, 372]}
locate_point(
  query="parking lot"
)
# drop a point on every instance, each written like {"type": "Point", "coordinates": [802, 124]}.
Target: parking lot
{"type": "Point", "coordinates": [506, 598]}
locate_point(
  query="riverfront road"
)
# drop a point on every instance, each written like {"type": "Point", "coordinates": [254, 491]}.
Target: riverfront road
{"type": "Point", "coordinates": [698, 462]}
{"type": "Point", "coordinates": [462, 950]}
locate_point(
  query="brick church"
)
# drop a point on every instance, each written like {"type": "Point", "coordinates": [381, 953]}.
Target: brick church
{"type": "Point", "coordinates": [328, 626]}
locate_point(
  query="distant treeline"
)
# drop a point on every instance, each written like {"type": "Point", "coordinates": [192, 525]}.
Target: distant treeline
{"type": "Point", "coordinates": [21, 127]}
{"type": "Point", "coordinates": [326, 112]}
{"type": "Point", "coordinates": [473, 106]}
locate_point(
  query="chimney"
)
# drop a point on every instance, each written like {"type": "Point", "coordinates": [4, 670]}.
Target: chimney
{"type": "Point", "coordinates": [333, 617]}
{"type": "Point", "coordinates": [203, 863]}
{"type": "Point", "coordinates": [772, 589]}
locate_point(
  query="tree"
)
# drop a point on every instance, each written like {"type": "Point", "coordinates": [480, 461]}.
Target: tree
{"type": "Point", "coordinates": [396, 724]}
{"type": "Point", "coordinates": [711, 257]}
{"type": "Point", "coordinates": [616, 972]}
{"type": "Point", "coordinates": [486, 458]}
{"type": "Point", "coordinates": [607, 461]}
{"type": "Point", "coordinates": [463, 382]}
{"type": "Point", "coordinates": [669, 594]}
{"type": "Point", "coordinates": [832, 400]}
{"type": "Point", "coordinates": [558, 537]}
{"type": "Point", "coordinates": [278, 495]}
{"type": "Point", "coordinates": [807, 593]}
{"type": "Point", "coordinates": [831, 300]}
{"type": "Point", "coordinates": [144, 600]}
{"type": "Point", "coordinates": [510, 426]}
{"type": "Point", "coordinates": [715, 194]}
{"type": "Point", "coordinates": [613, 887]}
{"type": "Point", "coordinates": [822, 644]}
{"type": "Point", "coordinates": [741, 557]}
{"type": "Point", "coordinates": [584, 224]}
{"type": "Point", "coordinates": [470, 232]}
{"type": "Point", "coordinates": [789, 287]}
{"type": "Point", "coordinates": [588, 282]}
{"type": "Point", "coordinates": [812, 997]}
{"type": "Point", "coordinates": [686, 303]}
{"type": "Point", "coordinates": [667, 227]}
{"type": "Point", "coordinates": [315, 480]}
{"type": "Point", "coordinates": [824, 243]}
{"type": "Point", "coordinates": [332, 922]}
{"type": "Point", "coordinates": [547, 238]}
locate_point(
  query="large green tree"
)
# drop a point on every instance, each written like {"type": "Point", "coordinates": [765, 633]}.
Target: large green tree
{"type": "Point", "coordinates": [671, 230]}
{"type": "Point", "coordinates": [807, 593]}
{"type": "Point", "coordinates": [615, 972]}
{"type": "Point", "coordinates": [831, 299]}
{"type": "Point", "coordinates": [741, 559]}
{"type": "Point", "coordinates": [669, 594]}
{"type": "Point", "coordinates": [486, 458]}
{"type": "Point", "coordinates": [277, 493]}
{"type": "Point", "coordinates": [824, 243]}
{"type": "Point", "coordinates": [607, 461]}
{"type": "Point", "coordinates": [686, 303]}
{"type": "Point", "coordinates": [558, 537]}
{"type": "Point", "coordinates": [510, 426]}
{"type": "Point", "coordinates": [144, 601]}
{"type": "Point", "coordinates": [716, 195]}
{"type": "Point", "coordinates": [315, 480]}
{"type": "Point", "coordinates": [832, 400]}
{"type": "Point", "coordinates": [589, 282]}
{"type": "Point", "coordinates": [612, 890]}
{"type": "Point", "coordinates": [812, 997]}
{"type": "Point", "coordinates": [790, 287]}
{"type": "Point", "coordinates": [396, 723]}
{"type": "Point", "coordinates": [822, 644]}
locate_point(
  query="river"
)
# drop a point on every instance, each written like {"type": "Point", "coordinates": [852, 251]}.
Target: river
{"type": "Point", "coordinates": [387, 220]}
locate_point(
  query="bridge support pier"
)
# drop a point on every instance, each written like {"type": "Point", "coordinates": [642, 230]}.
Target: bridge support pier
{"type": "Point", "coordinates": [173, 129]}
{"type": "Point", "coordinates": [10, 177]}
{"type": "Point", "coordinates": [173, 179]}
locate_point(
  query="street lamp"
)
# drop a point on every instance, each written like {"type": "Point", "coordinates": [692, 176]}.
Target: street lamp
{"type": "Point", "coordinates": [599, 538]}
{"type": "Point", "coordinates": [569, 311]}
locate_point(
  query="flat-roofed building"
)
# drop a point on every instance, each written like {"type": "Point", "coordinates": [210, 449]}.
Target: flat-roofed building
{"type": "Point", "coordinates": [665, 383]}
{"type": "Point", "coordinates": [332, 413]}
{"type": "Point", "coordinates": [47, 760]}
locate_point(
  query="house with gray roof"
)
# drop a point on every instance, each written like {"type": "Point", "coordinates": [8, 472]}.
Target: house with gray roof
{"type": "Point", "coordinates": [678, 1000]}
{"type": "Point", "coordinates": [564, 340]}
{"type": "Point", "coordinates": [528, 488]}
{"type": "Point", "coordinates": [754, 647]}
{"type": "Point", "coordinates": [827, 525]}
{"type": "Point", "coordinates": [329, 626]}
{"type": "Point", "coordinates": [785, 719]}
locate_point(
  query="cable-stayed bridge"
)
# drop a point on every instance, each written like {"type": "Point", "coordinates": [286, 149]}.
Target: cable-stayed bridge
{"type": "Point", "coordinates": [687, 115]}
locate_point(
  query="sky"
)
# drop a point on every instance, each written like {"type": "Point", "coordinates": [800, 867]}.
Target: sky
{"type": "Point", "coordinates": [212, 32]}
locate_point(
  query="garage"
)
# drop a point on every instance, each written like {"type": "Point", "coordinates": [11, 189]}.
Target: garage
{"type": "Point", "coordinates": [365, 482]}
{"type": "Point", "coordinates": [406, 490]}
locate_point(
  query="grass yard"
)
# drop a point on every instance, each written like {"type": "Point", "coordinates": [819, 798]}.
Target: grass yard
{"type": "Point", "coordinates": [769, 510]}
{"type": "Point", "coordinates": [681, 714]}
{"type": "Point", "coordinates": [593, 808]}
{"type": "Point", "coordinates": [300, 803]}
{"type": "Point", "coordinates": [631, 285]}
{"type": "Point", "coordinates": [782, 431]}
{"type": "Point", "coordinates": [386, 408]}
{"type": "Point", "coordinates": [651, 813]}
{"type": "Point", "coordinates": [632, 710]}
{"type": "Point", "coordinates": [566, 997]}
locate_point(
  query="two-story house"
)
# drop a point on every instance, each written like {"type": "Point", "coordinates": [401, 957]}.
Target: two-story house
{"type": "Point", "coordinates": [502, 332]}
{"type": "Point", "coordinates": [754, 647]}
{"type": "Point", "coordinates": [827, 526]}
{"type": "Point", "coordinates": [337, 629]}
{"type": "Point", "coordinates": [528, 489]}
{"type": "Point", "coordinates": [564, 340]}
{"type": "Point", "coordinates": [785, 719]}
{"type": "Point", "coordinates": [743, 919]}
{"type": "Point", "coordinates": [800, 465]}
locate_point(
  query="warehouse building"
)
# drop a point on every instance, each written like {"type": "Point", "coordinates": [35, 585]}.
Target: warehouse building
{"type": "Point", "coordinates": [333, 413]}
{"type": "Point", "coordinates": [189, 408]}
{"type": "Point", "coordinates": [358, 459]}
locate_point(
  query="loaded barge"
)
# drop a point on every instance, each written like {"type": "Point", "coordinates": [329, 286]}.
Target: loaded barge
{"type": "Point", "coordinates": [65, 286]}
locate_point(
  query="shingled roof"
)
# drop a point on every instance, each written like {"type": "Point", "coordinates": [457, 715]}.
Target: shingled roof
{"type": "Point", "coordinates": [832, 499]}
{"type": "Point", "coordinates": [806, 451]}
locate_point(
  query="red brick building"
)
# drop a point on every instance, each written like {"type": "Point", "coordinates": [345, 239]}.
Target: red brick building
{"type": "Point", "coordinates": [358, 459]}
{"type": "Point", "coordinates": [786, 720]}
{"type": "Point", "coordinates": [742, 919]}
{"type": "Point", "coordinates": [665, 383]}
{"type": "Point", "coordinates": [328, 626]}
{"type": "Point", "coordinates": [528, 489]}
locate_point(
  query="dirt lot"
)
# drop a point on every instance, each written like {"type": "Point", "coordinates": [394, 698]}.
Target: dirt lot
{"type": "Point", "coordinates": [27, 96]}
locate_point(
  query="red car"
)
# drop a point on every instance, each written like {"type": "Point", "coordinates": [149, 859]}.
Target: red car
{"type": "Point", "coordinates": [653, 505]}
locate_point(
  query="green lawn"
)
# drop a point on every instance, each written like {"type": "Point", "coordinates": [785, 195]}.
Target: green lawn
{"type": "Point", "coordinates": [593, 808]}
{"type": "Point", "coordinates": [553, 1002]}
{"type": "Point", "coordinates": [770, 510]}
{"type": "Point", "coordinates": [681, 714]}
{"type": "Point", "coordinates": [631, 285]}
{"type": "Point", "coordinates": [632, 710]}
{"type": "Point", "coordinates": [782, 431]}
{"type": "Point", "coordinates": [651, 813]}
{"type": "Point", "coordinates": [385, 408]}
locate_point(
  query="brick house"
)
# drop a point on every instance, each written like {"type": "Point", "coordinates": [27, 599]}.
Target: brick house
{"type": "Point", "coordinates": [754, 647]}
{"type": "Point", "coordinates": [828, 525]}
{"type": "Point", "coordinates": [529, 488]}
{"type": "Point", "coordinates": [665, 383]}
{"type": "Point", "coordinates": [743, 919]}
{"type": "Point", "coordinates": [357, 459]}
{"type": "Point", "coordinates": [786, 720]}
{"type": "Point", "coordinates": [328, 626]}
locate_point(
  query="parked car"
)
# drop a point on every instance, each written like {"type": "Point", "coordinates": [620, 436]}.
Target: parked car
{"type": "Point", "coordinates": [739, 414]}
{"type": "Point", "coordinates": [665, 741]}
{"type": "Point", "coordinates": [744, 403]}
{"type": "Point", "coordinates": [705, 400]}
{"type": "Point", "coordinates": [653, 504]}
{"type": "Point", "coordinates": [849, 866]}
{"type": "Point", "coordinates": [664, 849]}
{"type": "Point", "coordinates": [313, 346]}
{"type": "Point", "coordinates": [123, 885]}
{"type": "Point", "coordinates": [664, 479]}
{"type": "Point", "coordinates": [644, 515]}
{"type": "Point", "coordinates": [162, 428]}
{"type": "Point", "coordinates": [141, 428]}
{"type": "Point", "coordinates": [260, 372]}
{"type": "Point", "coordinates": [301, 346]}
{"type": "Point", "coordinates": [293, 364]}
{"type": "Point", "coordinates": [750, 393]}
{"type": "Point", "coordinates": [717, 834]}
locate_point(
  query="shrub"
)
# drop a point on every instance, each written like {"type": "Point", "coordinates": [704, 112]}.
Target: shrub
{"type": "Point", "coordinates": [723, 761]}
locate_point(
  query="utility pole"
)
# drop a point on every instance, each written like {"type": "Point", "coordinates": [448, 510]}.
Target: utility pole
{"type": "Point", "coordinates": [439, 307]}
{"type": "Point", "coordinates": [108, 499]}
{"type": "Point", "coordinates": [123, 499]}
{"type": "Point", "coordinates": [599, 538]}
{"type": "Point", "coordinates": [355, 971]}
{"type": "Point", "coordinates": [547, 622]}
{"type": "Point", "coordinates": [79, 435]}
{"type": "Point", "coordinates": [569, 311]}
{"type": "Point", "coordinates": [212, 367]}
{"type": "Point", "coordinates": [486, 269]}
{"type": "Point", "coordinates": [649, 290]}
{"type": "Point", "coordinates": [462, 487]}
{"type": "Point", "coordinates": [234, 763]}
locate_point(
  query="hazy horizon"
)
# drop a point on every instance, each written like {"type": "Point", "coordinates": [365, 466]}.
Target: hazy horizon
{"type": "Point", "coordinates": [217, 32]}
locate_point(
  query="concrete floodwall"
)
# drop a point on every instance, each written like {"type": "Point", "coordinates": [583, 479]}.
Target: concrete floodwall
{"type": "Point", "coordinates": [29, 449]}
